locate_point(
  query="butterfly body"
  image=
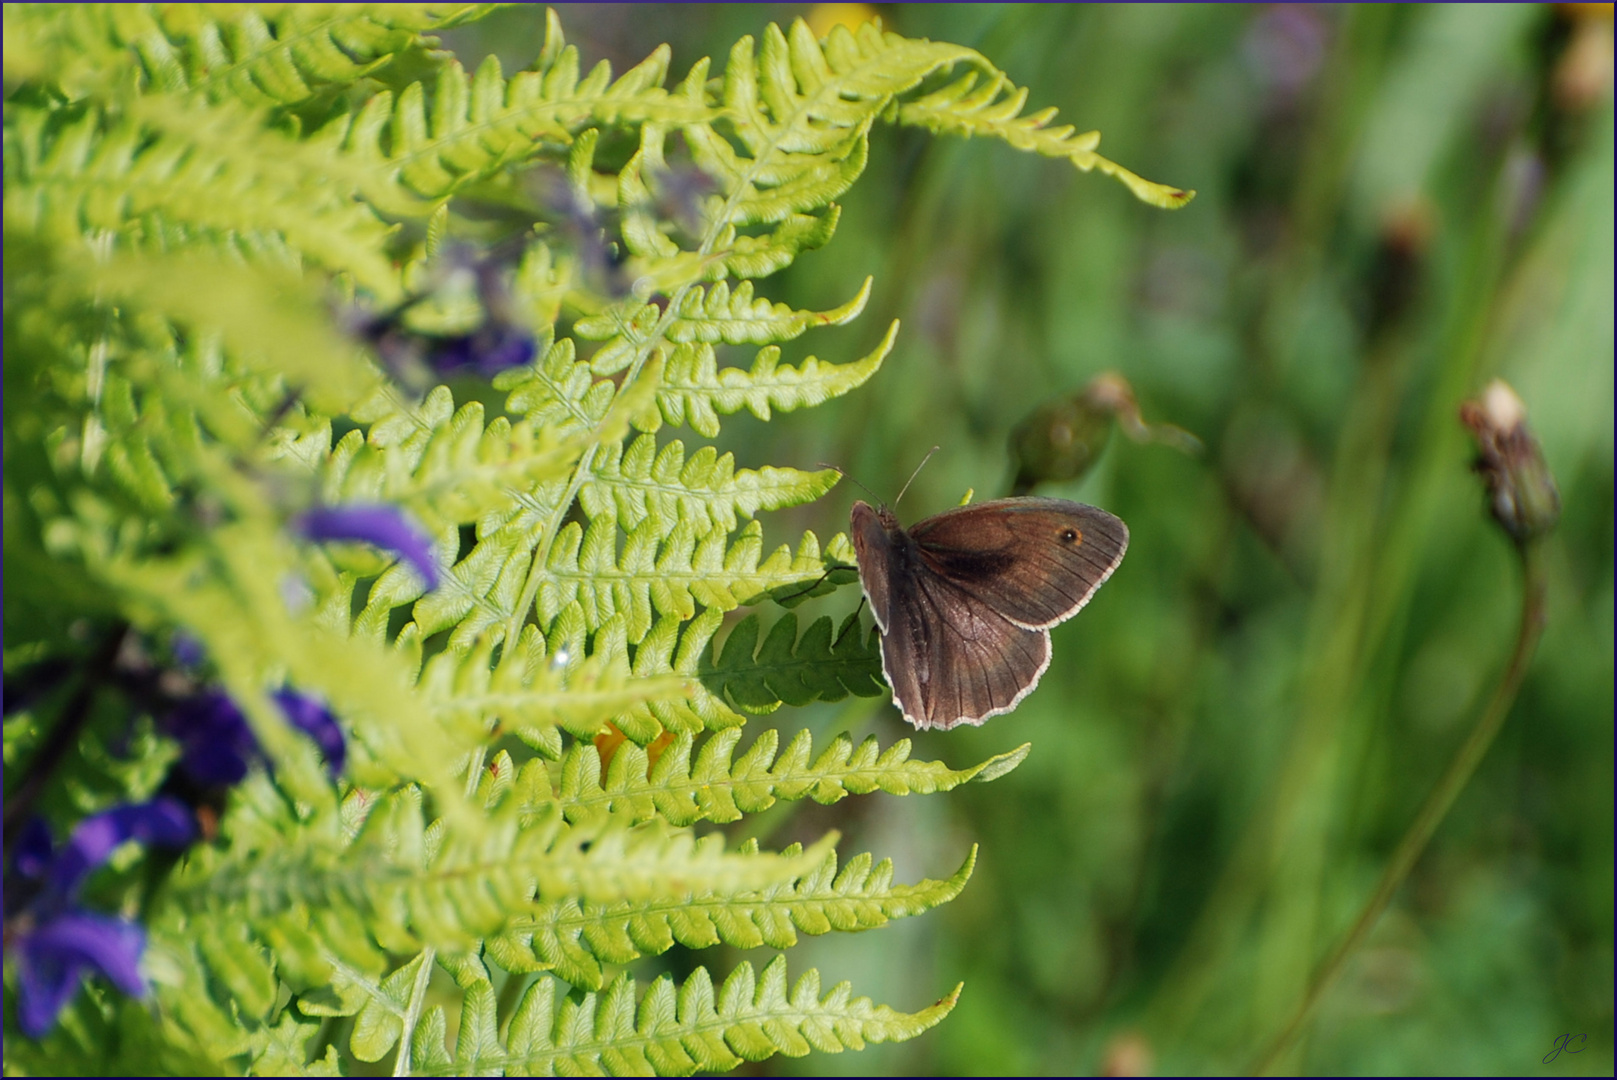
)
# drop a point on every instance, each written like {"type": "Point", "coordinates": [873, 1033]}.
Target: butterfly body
{"type": "Point", "coordinates": [965, 599]}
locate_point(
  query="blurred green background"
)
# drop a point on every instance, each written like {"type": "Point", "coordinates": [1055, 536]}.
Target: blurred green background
{"type": "Point", "coordinates": [1396, 204]}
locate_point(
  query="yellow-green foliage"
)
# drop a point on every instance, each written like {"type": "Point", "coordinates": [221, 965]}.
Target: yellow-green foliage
{"type": "Point", "coordinates": [189, 192]}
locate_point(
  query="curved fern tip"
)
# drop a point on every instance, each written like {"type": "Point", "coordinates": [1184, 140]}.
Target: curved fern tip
{"type": "Point", "coordinates": [997, 766]}
{"type": "Point", "coordinates": [945, 1005]}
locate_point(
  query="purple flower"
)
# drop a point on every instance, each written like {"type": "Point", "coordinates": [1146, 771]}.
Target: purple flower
{"type": "Point", "coordinates": [489, 351]}
{"type": "Point", "coordinates": [382, 525]}
{"type": "Point", "coordinates": [54, 958]}
{"type": "Point", "coordinates": [217, 747]}
{"type": "Point", "coordinates": [27, 862]}
{"type": "Point", "coordinates": [500, 341]}
{"type": "Point", "coordinates": [315, 720]}
{"type": "Point", "coordinates": [56, 942]}
{"type": "Point", "coordinates": [163, 821]}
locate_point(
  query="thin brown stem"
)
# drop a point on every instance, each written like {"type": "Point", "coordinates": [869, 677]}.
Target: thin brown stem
{"type": "Point", "coordinates": [64, 734]}
{"type": "Point", "coordinates": [1435, 808]}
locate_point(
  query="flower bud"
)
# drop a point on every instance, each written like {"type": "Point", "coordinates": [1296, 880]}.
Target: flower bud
{"type": "Point", "coordinates": [1521, 491]}
{"type": "Point", "coordinates": [1061, 439]}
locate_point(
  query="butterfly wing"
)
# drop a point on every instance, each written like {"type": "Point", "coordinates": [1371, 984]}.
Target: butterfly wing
{"type": "Point", "coordinates": [1034, 561]}
{"type": "Point", "coordinates": [951, 660]}
{"type": "Point", "coordinates": [873, 547]}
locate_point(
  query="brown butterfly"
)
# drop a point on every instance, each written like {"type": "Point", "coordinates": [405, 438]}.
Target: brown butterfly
{"type": "Point", "coordinates": [965, 600]}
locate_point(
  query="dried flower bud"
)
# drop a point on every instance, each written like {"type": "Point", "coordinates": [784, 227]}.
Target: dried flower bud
{"type": "Point", "coordinates": [1521, 491]}
{"type": "Point", "coordinates": [1061, 439]}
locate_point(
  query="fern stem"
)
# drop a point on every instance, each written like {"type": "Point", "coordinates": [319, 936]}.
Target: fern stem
{"type": "Point", "coordinates": [1436, 807]}
{"type": "Point", "coordinates": [541, 554]}
{"type": "Point", "coordinates": [412, 1012]}
{"type": "Point", "coordinates": [530, 586]}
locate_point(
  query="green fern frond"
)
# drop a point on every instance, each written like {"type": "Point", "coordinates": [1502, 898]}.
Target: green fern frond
{"type": "Point", "coordinates": [801, 117]}
{"type": "Point", "coordinates": [189, 191]}
{"type": "Point", "coordinates": [172, 173]}
{"type": "Point", "coordinates": [646, 483]}
{"type": "Point", "coordinates": [728, 253]}
{"type": "Point", "coordinates": [965, 108]}
{"type": "Point", "coordinates": [718, 315]}
{"type": "Point", "coordinates": [667, 1031]}
{"type": "Point", "coordinates": [419, 886]}
{"type": "Point", "coordinates": [572, 941]}
{"type": "Point", "coordinates": [695, 390]}
{"type": "Point", "coordinates": [605, 860]}
{"type": "Point", "coordinates": [530, 695]}
{"type": "Point", "coordinates": [787, 671]}
{"type": "Point", "coordinates": [279, 55]}
{"type": "Point", "coordinates": [450, 468]}
{"type": "Point", "coordinates": [263, 317]}
{"type": "Point", "coordinates": [671, 576]}
{"type": "Point", "coordinates": [718, 787]}
{"type": "Point", "coordinates": [557, 392]}
{"type": "Point", "coordinates": [566, 410]}
{"type": "Point", "coordinates": [287, 56]}
{"type": "Point", "coordinates": [483, 123]}
{"type": "Point", "coordinates": [380, 1022]}
{"type": "Point", "coordinates": [668, 648]}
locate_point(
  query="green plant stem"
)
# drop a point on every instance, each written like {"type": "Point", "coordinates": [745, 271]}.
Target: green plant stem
{"type": "Point", "coordinates": [412, 1012]}
{"type": "Point", "coordinates": [1435, 808]}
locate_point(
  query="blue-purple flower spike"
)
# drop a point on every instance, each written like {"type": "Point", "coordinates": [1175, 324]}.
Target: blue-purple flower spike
{"type": "Point", "coordinates": [315, 720]}
{"type": "Point", "coordinates": [380, 524]}
{"type": "Point", "coordinates": [56, 942]}
{"type": "Point", "coordinates": [163, 821]}
{"type": "Point", "coordinates": [53, 958]}
{"type": "Point", "coordinates": [489, 351]}
{"type": "Point", "coordinates": [217, 746]}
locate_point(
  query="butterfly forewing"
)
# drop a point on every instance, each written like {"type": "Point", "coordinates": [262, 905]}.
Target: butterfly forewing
{"type": "Point", "coordinates": [873, 547]}
{"type": "Point", "coordinates": [1035, 561]}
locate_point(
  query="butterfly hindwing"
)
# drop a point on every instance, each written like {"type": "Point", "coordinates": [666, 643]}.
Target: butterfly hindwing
{"type": "Point", "coordinates": [991, 663]}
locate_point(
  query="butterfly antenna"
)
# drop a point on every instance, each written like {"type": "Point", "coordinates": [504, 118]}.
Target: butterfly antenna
{"type": "Point", "coordinates": [850, 480]}
{"type": "Point", "coordinates": [914, 474]}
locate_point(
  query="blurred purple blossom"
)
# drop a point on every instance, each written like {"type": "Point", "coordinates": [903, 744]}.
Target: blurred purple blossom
{"type": "Point", "coordinates": [579, 228]}
{"type": "Point", "coordinates": [27, 862]}
{"type": "Point", "coordinates": [315, 720]}
{"type": "Point", "coordinates": [489, 350]}
{"type": "Point", "coordinates": [500, 340]}
{"type": "Point", "coordinates": [56, 943]}
{"type": "Point", "coordinates": [379, 524]}
{"type": "Point", "coordinates": [163, 821]}
{"type": "Point", "coordinates": [217, 746]}
{"type": "Point", "coordinates": [188, 651]}
{"type": "Point", "coordinates": [53, 959]}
